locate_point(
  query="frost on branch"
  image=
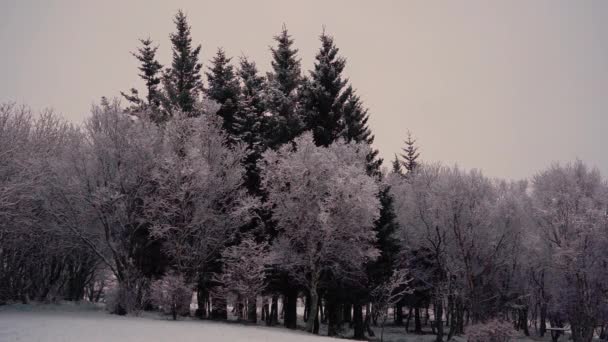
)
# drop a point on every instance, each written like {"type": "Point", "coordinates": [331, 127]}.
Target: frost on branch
{"type": "Point", "coordinates": [172, 295]}
{"type": "Point", "coordinates": [325, 205]}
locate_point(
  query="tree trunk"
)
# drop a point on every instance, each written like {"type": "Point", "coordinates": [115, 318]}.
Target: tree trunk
{"type": "Point", "coordinates": [331, 311]}
{"type": "Point", "coordinates": [291, 306]}
{"type": "Point", "coordinates": [543, 319]}
{"type": "Point", "coordinates": [274, 310]}
{"type": "Point", "coordinates": [252, 310]}
{"type": "Point", "coordinates": [358, 322]}
{"type": "Point", "coordinates": [438, 308]}
{"type": "Point", "coordinates": [313, 315]}
{"type": "Point", "coordinates": [306, 307]}
{"type": "Point", "coordinates": [219, 309]}
{"type": "Point", "coordinates": [417, 320]}
{"type": "Point", "coordinates": [346, 312]}
{"type": "Point", "coordinates": [201, 300]}
{"type": "Point", "coordinates": [399, 314]}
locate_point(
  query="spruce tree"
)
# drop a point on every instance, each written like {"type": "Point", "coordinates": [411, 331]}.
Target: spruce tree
{"type": "Point", "coordinates": [223, 88]}
{"type": "Point", "coordinates": [182, 81]}
{"type": "Point", "coordinates": [150, 69]}
{"type": "Point", "coordinates": [410, 154]}
{"type": "Point", "coordinates": [355, 117]}
{"type": "Point", "coordinates": [396, 166]}
{"type": "Point", "coordinates": [250, 123]}
{"type": "Point", "coordinates": [323, 94]}
{"type": "Point", "coordinates": [282, 90]}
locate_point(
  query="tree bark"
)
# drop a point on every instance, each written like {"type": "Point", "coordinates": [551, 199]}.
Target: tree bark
{"type": "Point", "coordinates": [291, 306]}
{"type": "Point", "coordinates": [252, 310]}
{"type": "Point", "coordinates": [313, 315]}
{"type": "Point", "coordinates": [359, 329]}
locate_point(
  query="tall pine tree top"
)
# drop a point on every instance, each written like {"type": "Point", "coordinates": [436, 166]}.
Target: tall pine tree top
{"type": "Point", "coordinates": [280, 95]}
{"type": "Point", "coordinates": [183, 80]}
{"type": "Point", "coordinates": [285, 63]}
{"type": "Point", "coordinates": [223, 87]}
{"type": "Point", "coordinates": [149, 69]}
{"type": "Point", "coordinates": [410, 154]}
{"type": "Point", "coordinates": [249, 120]}
{"type": "Point", "coordinates": [323, 95]}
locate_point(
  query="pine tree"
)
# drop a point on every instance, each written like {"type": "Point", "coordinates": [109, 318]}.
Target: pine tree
{"type": "Point", "coordinates": [324, 95]}
{"type": "Point", "coordinates": [356, 129]}
{"type": "Point", "coordinates": [150, 69]}
{"type": "Point", "coordinates": [182, 81]}
{"type": "Point", "coordinates": [410, 154]}
{"type": "Point", "coordinates": [282, 90]}
{"type": "Point", "coordinates": [250, 123]}
{"type": "Point", "coordinates": [396, 166]}
{"type": "Point", "coordinates": [223, 88]}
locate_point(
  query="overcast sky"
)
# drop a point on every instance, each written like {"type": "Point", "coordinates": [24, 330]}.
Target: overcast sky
{"type": "Point", "coordinates": [507, 87]}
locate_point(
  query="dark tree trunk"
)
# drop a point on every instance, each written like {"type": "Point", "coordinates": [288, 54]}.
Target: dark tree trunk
{"type": "Point", "coordinates": [417, 320]}
{"type": "Point", "coordinates": [274, 310]}
{"type": "Point", "coordinates": [252, 310]}
{"type": "Point", "coordinates": [202, 297]}
{"type": "Point", "coordinates": [331, 311]}
{"type": "Point", "coordinates": [358, 322]}
{"type": "Point", "coordinates": [543, 319]}
{"type": "Point", "coordinates": [291, 306]}
{"type": "Point", "coordinates": [219, 309]}
{"type": "Point", "coordinates": [346, 313]}
{"type": "Point", "coordinates": [399, 314]}
{"type": "Point", "coordinates": [438, 308]}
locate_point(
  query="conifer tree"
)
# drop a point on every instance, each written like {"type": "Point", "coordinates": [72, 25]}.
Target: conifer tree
{"type": "Point", "coordinates": [223, 88]}
{"type": "Point", "coordinates": [250, 123]}
{"type": "Point", "coordinates": [324, 94]}
{"type": "Point", "coordinates": [182, 81]}
{"type": "Point", "coordinates": [355, 128]}
{"type": "Point", "coordinates": [282, 90]}
{"type": "Point", "coordinates": [150, 70]}
{"type": "Point", "coordinates": [410, 154]}
{"type": "Point", "coordinates": [396, 166]}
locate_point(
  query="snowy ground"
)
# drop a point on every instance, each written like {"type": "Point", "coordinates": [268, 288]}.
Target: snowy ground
{"type": "Point", "coordinates": [58, 324]}
{"type": "Point", "coordinates": [75, 323]}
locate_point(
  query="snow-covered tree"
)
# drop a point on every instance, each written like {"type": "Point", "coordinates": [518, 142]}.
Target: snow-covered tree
{"type": "Point", "coordinates": [243, 274]}
{"type": "Point", "coordinates": [571, 204]}
{"type": "Point", "coordinates": [172, 295]}
{"type": "Point", "coordinates": [387, 294]}
{"type": "Point", "coordinates": [323, 202]}
{"type": "Point", "coordinates": [198, 202]}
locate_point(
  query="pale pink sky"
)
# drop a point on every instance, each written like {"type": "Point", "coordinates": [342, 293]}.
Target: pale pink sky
{"type": "Point", "coordinates": [504, 86]}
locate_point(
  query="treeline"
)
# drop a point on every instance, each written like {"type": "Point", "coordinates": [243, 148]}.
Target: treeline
{"type": "Point", "coordinates": [253, 190]}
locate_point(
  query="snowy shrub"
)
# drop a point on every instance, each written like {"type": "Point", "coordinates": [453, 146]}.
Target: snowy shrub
{"type": "Point", "coordinates": [172, 295]}
{"type": "Point", "coordinates": [492, 331]}
{"type": "Point", "coordinates": [120, 300]}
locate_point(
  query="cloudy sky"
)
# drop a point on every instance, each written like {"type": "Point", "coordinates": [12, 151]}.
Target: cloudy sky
{"type": "Point", "coordinates": [504, 86]}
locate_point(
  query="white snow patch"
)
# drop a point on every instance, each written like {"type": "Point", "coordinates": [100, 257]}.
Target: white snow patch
{"type": "Point", "coordinates": [53, 324]}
